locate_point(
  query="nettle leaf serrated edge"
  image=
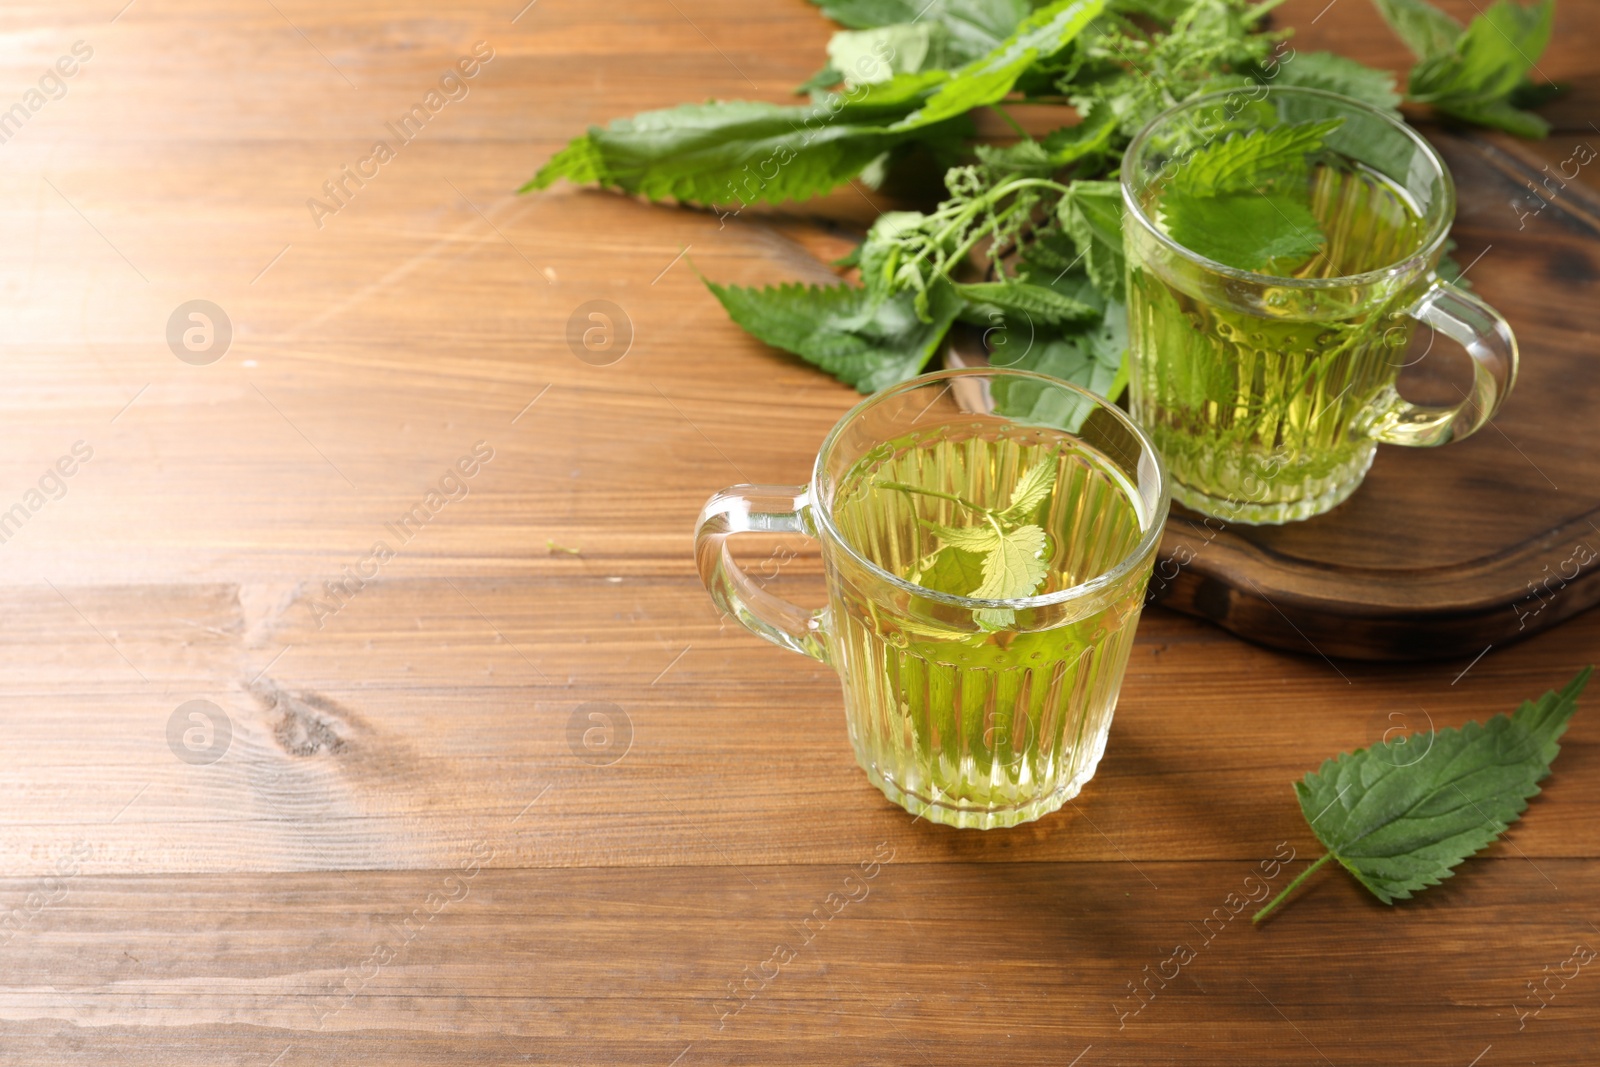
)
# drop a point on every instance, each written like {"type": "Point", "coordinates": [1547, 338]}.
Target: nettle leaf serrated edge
{"type": "Point", "coordinates": [1242, 164]}
{"type": "Point", "coordinates": [1398, 826]}
{"type": "Point", "coordinates": [1030, 490]}
{"type": "Point", "coordinates": [1028, 299]}
{"type": "Point", "coordinates": [970, 538]}
{"type": "Point", "coordinates": [864, 343]}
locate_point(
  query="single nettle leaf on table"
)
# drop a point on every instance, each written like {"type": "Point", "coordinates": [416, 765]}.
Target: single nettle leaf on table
{"type": "Point", "coordinates": [1267, 234]}
{"type": "Point", "coordinates": [1401, 822]}
{"type": "Point", "coordinates": [862, 341]}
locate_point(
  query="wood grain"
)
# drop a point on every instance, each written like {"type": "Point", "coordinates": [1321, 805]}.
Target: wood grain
{"type": "Point", "coordinates": [410, 754]}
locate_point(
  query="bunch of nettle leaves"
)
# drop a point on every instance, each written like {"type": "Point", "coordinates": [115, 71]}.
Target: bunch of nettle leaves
{"type": "Point", "coordinates": [1030, 231]}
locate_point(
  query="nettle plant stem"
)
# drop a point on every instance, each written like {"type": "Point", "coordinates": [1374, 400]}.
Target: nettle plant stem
{"type": "Point", "coordinates": [988, 513]}
{"type": "Point", "coordinates": [1290, 888]}
{"type": "Point", "coordinates": [955, 218]}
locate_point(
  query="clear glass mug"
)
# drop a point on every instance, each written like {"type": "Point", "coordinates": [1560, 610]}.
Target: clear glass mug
{"type": "Point", "coordinates": [968, 711]}
{"type": "Point", "coordinates": [1268, 396]}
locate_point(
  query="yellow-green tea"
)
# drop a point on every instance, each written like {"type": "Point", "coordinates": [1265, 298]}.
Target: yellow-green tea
{"type": "Point", "coordinates": [979, 708]}
{"type": "Point", "coordinates": [1258, 410]}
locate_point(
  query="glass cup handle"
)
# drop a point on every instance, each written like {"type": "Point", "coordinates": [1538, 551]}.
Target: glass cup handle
{"type": "Point", "coordinates": [757, 509]}
{"type": "Point", "coordinates": [1480, 329]}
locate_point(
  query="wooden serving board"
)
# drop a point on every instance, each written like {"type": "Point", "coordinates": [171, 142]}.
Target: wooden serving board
{"type": "Point", "coordinates": [1446, 552]}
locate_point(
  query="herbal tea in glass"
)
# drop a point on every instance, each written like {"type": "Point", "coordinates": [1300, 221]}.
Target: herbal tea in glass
{"type": "Point", "coordinates": [1280, 253]}
{"type": "Point", "coordinates": [985, 575]}
{"type": "Point", "coordinates": [979, 716]}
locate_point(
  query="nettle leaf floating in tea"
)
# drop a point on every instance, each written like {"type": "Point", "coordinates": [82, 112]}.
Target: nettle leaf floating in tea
{"type": "Point", "coordinates": [1253, 162]}
{"type": "Point", "coordinates": [1001, 557]}
{"type": "Point", "coordinates": [1252, 232]}
{"type": "Point", "coordinates": [1030, 491]}
{"type": "Point", "coordinates": [1401, 823]}
{"type": "Point", "coordinates": [1244, 201]}
{"type": "Point", "coordinates": [1014, 565]}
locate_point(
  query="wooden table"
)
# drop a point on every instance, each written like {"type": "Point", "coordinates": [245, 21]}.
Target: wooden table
{"type": "Point", "coordinates": [386, 838]}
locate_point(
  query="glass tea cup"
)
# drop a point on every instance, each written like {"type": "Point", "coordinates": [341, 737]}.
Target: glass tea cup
{"type": "Point", "coordinates": [1268, 396]}
{"type": "Point", "coordinates": [973, 711]}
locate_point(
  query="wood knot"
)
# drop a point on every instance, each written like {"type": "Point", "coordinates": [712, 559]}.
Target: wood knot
{"type": "Point", "coordinates": [308, 723]}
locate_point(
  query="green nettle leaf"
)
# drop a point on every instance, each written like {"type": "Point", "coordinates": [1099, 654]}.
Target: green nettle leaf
{"type": "Point", "coordinates": [866, 343]}
{"type": "Point", "coordinates": [987, 80]}
{"type": "Point", "coordinates": [1337, 74]}
{"type": "Point", "coordinates": [1072, 143]}
{"type": "Point", "coordinates": [1031, 489]}
{"type": "Point", "coordinates": [1242, 201]}
{"type": "Point", "coordinates": [884, 266]}
{"type": "Point", "coordinates": [866, 57]}
{"type": "Point", "coordinates": [1490, 59]}
{"type": "Point", "coordinates": [1473, 74]}
{"type": "Point", "coordinates": [826, 78]}
{"type": "Point", "coordinates": [998, 558]}
{"type": "Point", "coordinates": [1025, 159]}
{"type": "Point", "coordinates": [1092, 215]}
{"type": "Point", "coordinates": [1265, 234]}
{"type": "Point", "coordinates": [969, 28]}
{"type": "Point", "coordinates": [1401, 823]}
{"type": "Point", "coordinates": [579, 161]}
{"type": "Point", "coordinates": [1037, 302]}
{"type": "Point", "coordinates": [1094, 358]}
{"type": "Point", "coordinates": [1424, 29]}
{"type": "Point", "coordinates": [866, 14]}
{"type": "Point", "coordinates": [748, 152]}
{"type": "Point", "coordinates": [953, 570]}
{"type": "Point", "coordinates": [1052, 259]}
{"type": "Point", "coordinates": [1014, 566]}
{"type": "Point", "coordinates": [1256, 162]}
{"type": "Point", "coordinates": [1531, 94]}
{"type": "Point", "coordinates": [1502, 116]}
{"type": "Point", "coordinates": [976, 27]}
{"type": "Point", "coordinates": [969, 538]}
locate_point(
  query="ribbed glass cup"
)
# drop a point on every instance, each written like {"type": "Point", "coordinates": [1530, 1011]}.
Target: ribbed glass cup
{"type": "Point", "coordinates": [1268, 396]}
{"type": "Point", "coordinates": [970, 712]}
